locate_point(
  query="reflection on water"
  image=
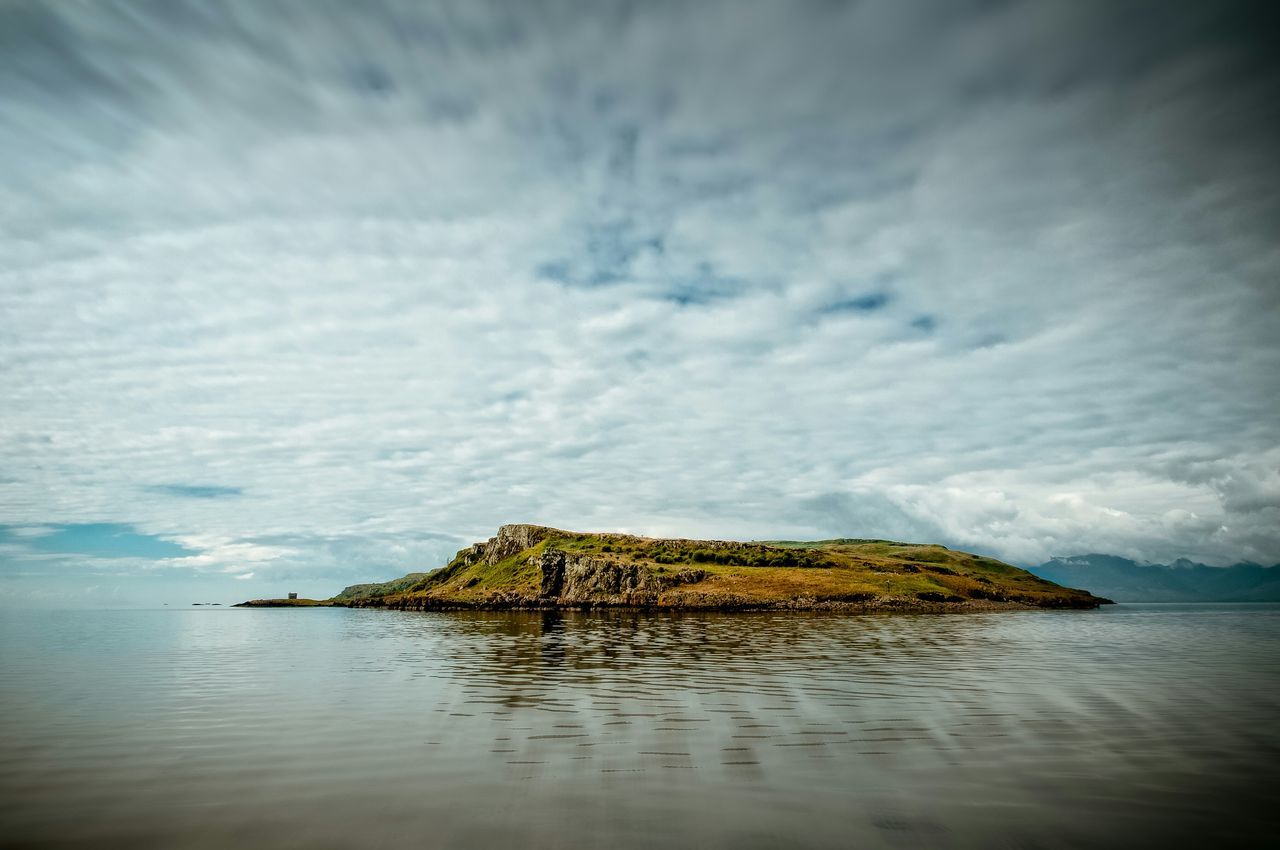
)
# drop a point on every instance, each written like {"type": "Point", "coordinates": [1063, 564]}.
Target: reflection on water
{"type": "Point", "coordinates": [337, 728]}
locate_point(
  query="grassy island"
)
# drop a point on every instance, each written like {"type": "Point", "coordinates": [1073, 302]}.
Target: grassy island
{"type": "Point", "coordinates": [532, 566]}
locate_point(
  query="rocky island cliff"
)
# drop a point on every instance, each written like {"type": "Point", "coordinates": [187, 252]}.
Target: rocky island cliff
{"type": "Point", "coordinates": [533, 566]}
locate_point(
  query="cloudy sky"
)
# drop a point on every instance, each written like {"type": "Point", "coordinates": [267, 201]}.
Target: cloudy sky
{"type": "Point", "coordinates": [296, 295]}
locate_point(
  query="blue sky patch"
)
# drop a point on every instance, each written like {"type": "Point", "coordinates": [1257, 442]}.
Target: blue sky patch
{"type": "Point", "coordinates": [925, 323]}
{"type": "Point", "coordinates": [868, 303]}
{"type": "Point", "coordinates": [196, 491]}
{"type": "Point", "coordinates": [98, 539]}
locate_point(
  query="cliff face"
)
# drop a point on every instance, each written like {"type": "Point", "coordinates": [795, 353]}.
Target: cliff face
{"type": "Point", "coordinates": [579, 579]}
{"type": "Point", "coordinates": [583, 578]}
{"type": "Point", "coordinates": [531, 566]}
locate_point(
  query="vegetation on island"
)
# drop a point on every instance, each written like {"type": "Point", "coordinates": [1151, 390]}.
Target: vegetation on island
{"type": "Point", "coordinates": [286, 603]}
{"type": "Point", "coordinates": [529, 566]}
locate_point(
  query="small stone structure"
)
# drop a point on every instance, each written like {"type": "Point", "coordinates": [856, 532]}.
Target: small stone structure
{"type": "Point", "coordinates": [293, 596]}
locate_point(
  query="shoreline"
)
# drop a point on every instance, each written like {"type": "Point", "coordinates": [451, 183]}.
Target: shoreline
{"type": "Point", "coordinates": [888, 605]}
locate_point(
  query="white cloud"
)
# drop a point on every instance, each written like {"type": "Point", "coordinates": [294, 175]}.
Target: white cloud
{"type": "Point", "coordinates": [349, 282]}
{"type": "Point", "coordinates": [30, 532]}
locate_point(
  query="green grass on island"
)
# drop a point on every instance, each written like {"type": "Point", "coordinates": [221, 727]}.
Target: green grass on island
{"type": "Point", "coordinates": [529, 566]}
{"type": "Point", "coordinates": [286, 603]}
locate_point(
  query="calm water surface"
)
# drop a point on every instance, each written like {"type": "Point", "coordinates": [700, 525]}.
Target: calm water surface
{"type": "Point", "coordinates": [1131, 726]}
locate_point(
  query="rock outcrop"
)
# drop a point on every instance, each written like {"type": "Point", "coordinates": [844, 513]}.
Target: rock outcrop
{"type": "Point", "coordinates": [578, 579]}
{"type": "Point", "coordinates": [510, 540]}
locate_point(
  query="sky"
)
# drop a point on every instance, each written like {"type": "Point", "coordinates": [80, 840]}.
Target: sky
{"type": "Point", "coordinates": [298, 295]}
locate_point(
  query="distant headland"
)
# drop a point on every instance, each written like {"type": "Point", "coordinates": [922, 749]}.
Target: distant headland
{"type": "Point", "coordinates": [535, 567]}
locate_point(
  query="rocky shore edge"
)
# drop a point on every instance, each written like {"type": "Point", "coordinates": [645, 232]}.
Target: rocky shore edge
{"type": "Point", "coordinates": [877, 605]}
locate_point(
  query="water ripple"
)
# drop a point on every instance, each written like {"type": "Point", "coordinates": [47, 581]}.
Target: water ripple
{"type": "Point", "coordinates": [335, 727]}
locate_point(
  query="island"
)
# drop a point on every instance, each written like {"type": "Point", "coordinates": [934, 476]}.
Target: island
{"type": "Point", "coordinates": [536, 567]}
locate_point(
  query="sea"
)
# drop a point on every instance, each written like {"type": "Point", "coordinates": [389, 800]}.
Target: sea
{"type": "Point", "coordinates": [1129, 726]}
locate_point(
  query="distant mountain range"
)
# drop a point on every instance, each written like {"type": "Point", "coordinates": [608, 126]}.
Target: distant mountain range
{"type": "Point", "coordinates": [1124, 580]}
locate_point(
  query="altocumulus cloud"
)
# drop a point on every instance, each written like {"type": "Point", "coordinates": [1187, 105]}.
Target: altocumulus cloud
{"type": "Point", "coordinates": [305, 289]}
